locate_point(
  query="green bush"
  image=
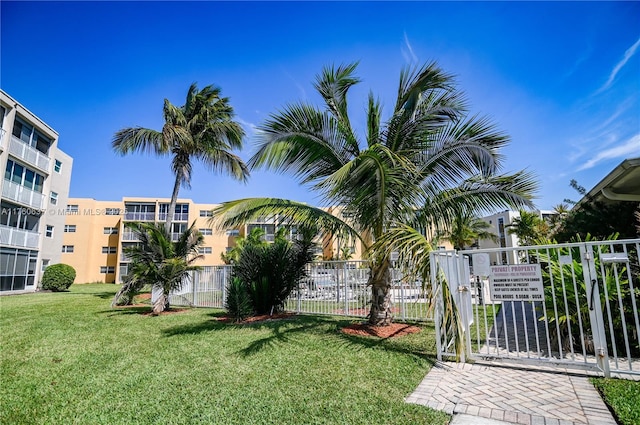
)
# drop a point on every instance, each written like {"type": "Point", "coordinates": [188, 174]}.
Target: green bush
{"type": "Point", "coordinates": [271, 272]}
{"type": "Point", "coordinates": [58, 277]}
{"type": "Point", "coordinates": [238, 302]}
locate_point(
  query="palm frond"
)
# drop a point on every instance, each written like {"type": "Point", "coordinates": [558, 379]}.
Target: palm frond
{"type": "Point", "coordinates": [139, 139]}
{"type": "Point", "coordinates": [303, 141]}
{"type": "Point", "coordinates": [232, 214]}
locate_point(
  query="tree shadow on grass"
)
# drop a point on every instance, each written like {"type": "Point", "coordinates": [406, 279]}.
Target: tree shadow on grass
{"type": "Point", "coordinates": [419, 345]}
{"type": "Point", "coordinates": [104, 295]}
{"type": "Point", "coordinates": [124, 311]}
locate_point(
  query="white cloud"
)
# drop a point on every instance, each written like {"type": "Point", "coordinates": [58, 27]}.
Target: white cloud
{"type": "Point", "coordinates": [627, 55]}
{"type": "Point", "coordinates": [248, 126]}
{"type": "Point", "coordinates": [408, 53]}
{"type": "Point", "coordinates": [630, 148]}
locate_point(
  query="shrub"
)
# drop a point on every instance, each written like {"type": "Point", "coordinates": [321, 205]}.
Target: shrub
{"type": "Point", "coordinates": [269, 273]}
{"type": "Point", "coordinates": [58, 277]}
{"type": "Point", "coordinates": [238, 302]}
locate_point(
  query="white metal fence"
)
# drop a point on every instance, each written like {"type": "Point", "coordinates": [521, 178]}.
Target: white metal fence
{"type": "Point", "coordinates": [574, 305]}
{"type": "Point", "coordinates": [331, 288]}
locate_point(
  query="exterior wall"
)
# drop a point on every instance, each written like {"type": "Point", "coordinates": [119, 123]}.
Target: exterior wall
{"type": "Point", "coordinates": [505, 239]}
{"type": "Point", "coordinates": [55, 214]}
{"type": "Point", "coordinates": [90, 237]}
{"type": "Point", "coordinates": [26, 210]}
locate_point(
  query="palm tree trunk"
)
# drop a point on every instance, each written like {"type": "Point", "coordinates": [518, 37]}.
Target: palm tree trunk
{"type": "Point", "coordinates": [173, 202]}
{"type": "Point", "coordinates": [161, 304]}
{"type": "Point", "coordinates": [380, 281]}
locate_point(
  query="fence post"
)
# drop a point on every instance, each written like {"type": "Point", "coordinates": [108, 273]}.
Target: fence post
{"type": "Point", "coordinates": [194, 284]}
{"type": "Point", "coordinates": [345, 281]}
{"type": "Point", "coordinates": [402, 302]}
{"type": "Point", "coordinates": [225, 279]}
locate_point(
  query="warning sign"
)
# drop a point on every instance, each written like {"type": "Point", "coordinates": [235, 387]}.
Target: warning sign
{"type": "Point", "coordinates": [521, 282]}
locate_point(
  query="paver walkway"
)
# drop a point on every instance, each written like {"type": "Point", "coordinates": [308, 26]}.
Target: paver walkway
{"type": "Point", "coordinates": [511, 395]}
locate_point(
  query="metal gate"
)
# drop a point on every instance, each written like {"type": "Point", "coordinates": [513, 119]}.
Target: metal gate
{"type": "Point", "coordinates": [570, 305]}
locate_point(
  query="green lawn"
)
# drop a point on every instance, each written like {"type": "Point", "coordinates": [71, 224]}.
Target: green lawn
{"type": "Point", "coordinates": [623, 397]}
{"type": "Point", "coordinates": [68, 358]}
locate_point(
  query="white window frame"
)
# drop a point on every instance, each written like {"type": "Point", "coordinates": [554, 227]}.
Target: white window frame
{"type": "Point", "coordinates": [48, 233]}
{"type": "Point", "coordinates": [68, 249]}
{"type": "Point", "coordinates": [206, 213]}
{"type": "Point", "coordinates": [205, 250]}
{"type": "Point", "coordinates": [57, 166]}
{"type": "Point", "coordinates": [109, 249]}
{"type": "Point", "coordinates": [110, 230]}
{"type": "Point", "coordinates": [53, 198]}
{"type": "Point", "coordinates": [70, 228]}
{"type": "Point", "coordinates": [206, 232]}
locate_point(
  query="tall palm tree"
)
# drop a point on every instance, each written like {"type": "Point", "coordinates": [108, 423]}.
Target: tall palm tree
{"type": "Point", "coordinates": [159, 262]}
{"type": "Point", "coordinates": [202, 129]}
{"type": "Point", "coordinates": [416, 168]}
{"type": "Point", "coordinates": [467, 229]}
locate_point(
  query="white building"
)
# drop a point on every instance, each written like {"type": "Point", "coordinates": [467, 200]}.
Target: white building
{"type": "Point", "coordinates": [34, 194]}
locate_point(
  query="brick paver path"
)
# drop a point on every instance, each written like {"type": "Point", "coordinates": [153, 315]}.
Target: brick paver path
{"type": "Point", "coordinates": [512, 395]}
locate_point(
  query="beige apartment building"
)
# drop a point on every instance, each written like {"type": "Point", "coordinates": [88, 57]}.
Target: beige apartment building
{"type": "Point", "coordinates": [34, 194]}
{"type": "Point", "coordinates": [95, 234]}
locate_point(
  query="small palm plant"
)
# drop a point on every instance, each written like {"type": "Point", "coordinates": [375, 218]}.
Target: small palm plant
{"type": "Point", "coordinates": [159, 262]}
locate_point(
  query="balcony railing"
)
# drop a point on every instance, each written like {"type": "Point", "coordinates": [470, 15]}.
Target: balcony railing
{"type": "Point", "coordinates": [22, 195]}
{"type": "Point", "coordinates": [29, 154]}
{"type": "Point", "coordinates": [18, 237]}
{"type": "Point", "coordinates": [129, 236]}
{"type": "Point", "coordinates": [140, 216]}
{"type": "Point", "coordinates": [176, 216]}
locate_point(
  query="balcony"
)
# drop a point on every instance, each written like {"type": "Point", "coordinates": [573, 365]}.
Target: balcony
{"type": "Point", "coordinates": [18, 237]}
{"type": "Point", "coordinates": [22, 195]}
{"type": "Point", "coordinates": [129, 236]}
{"type": "Point", "coordinates": [140, 216]}
{"type": "Point", "coordinates": [176, 216]}
{"type": "Point", "coordinates": [28, 154]}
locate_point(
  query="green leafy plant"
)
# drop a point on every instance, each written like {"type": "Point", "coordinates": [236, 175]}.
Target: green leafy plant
{"type": "Point", "coordinates": [270, 272]}
{"type": "Point", "coordinates": [58, 277]}
{"type": "Point", "coordinates": [567, 305]}
{"type": "Point", "coordinates": [238, 302]}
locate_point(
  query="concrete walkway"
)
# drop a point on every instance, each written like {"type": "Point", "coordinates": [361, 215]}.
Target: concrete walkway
{"type": "Point", "coordinates": [506, 395]}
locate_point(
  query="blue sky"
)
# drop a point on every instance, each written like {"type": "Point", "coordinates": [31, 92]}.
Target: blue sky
{"type": "Point", "coordinates": [561, 78]}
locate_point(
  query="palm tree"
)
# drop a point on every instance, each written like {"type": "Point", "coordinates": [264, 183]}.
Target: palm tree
{"type": "Point", "coordinates": [529, 228]}
{"type": "Point", "coordinates": [254, 238]}
{"type": "Point", "coordinates": [159, 262]}
{"type": "Point", "coordinates": [466, 230]}
{"type": "Point", "coordinates": [203, 129]}
{"type": "Point", "coordinates": [417, 168]}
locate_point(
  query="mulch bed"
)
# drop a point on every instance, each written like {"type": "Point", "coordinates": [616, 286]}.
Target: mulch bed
{"type": "Point", "coordinates": [393, 330]}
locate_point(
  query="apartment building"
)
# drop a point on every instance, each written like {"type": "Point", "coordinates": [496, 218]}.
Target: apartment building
{"type": "Point", "coordinates": [34, 192]}
{"type": "Point", "coordinates": [95, 233]}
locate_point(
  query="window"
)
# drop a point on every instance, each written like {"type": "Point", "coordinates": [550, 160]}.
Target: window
{"type": "Point", "coordinates": [72, 209]}
{"type": "Point", "coordinates": [206, 232]}
{"type": "Point", "coordinates": [234, 232]}
{"type": "Point", "coordinates": [206, 213]}
{"type": "Point", "coordinates": [49, 232]}
{"type": "Point", "coordinates": [30, 136]}
{"type": "Point", "coordinates": [69, 228]}
{"type": "Point", "coordinates": [110, 230]}
{"type": "Point", "coordinates": [109, 249]}
{"type": "Point", "coordinates": [45, 264]}
{"type": "Point", "coordinates": [205, 250]}
{"type": "Point", "coordinates": [112, 211]}
{"type": "Point", "coordinates": [57, 166]}
{"type": "Point", "coordinates": [67, 248]}
{"type": "Point", "coordinates": [107, 269]}
{"type": "Point", "coordinates": [54, 198]}
{"type": "Point", "coordinates": [19, 174]}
